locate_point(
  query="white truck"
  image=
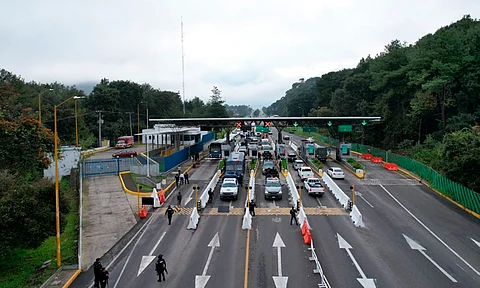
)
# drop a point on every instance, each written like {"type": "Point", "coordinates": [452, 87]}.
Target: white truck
{"type": "Point", "coordinates": [305, 172]}
{"type": "Point", "coordinates": [229, 189]}
{"type": "Point", "coordinates": [314, 187]}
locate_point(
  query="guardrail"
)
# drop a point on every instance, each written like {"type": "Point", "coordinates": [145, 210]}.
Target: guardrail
{"type": "Point", "coordinates": [251, 191]}
{"type": "Point", "coordinates": [356, 217]}
{"type": "Point", "coordinates": [337, 192]}
{"type": "Point", "coordinates": [195, 216]}
{"type": "Point", "coordinates": [292, 189]}
{"type": "Point", "coordinates": [318, 268]}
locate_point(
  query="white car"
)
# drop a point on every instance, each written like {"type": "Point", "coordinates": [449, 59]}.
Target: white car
{"type": "Point", "coordinates": [305, 172]}
{"type": "Point", "coordinates": [336, 173]}
{"type": "Point", "coordinates": [229, 189]}
{"type": "Point", "coordinates": [297, 164]}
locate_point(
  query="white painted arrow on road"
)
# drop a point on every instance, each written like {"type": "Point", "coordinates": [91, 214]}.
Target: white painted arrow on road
{"type": "Point", "coordinates": [189, 198]}
{"type": "Point", "coordinates": [476, 242]}
{"type": "Point", "coordinates": [146, 260]}
{"type": "Point", "coordinates": [201, 280]}
{"type": "Point", "coordinates": [415, 246]}
{"type": "Point", "coordinates": [280, 280]}
{"type": "Point", "coordinates": [364, 281]}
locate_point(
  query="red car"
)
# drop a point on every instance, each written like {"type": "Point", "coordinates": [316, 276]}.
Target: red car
{"type": "Point", "coordinates": [125, 153]}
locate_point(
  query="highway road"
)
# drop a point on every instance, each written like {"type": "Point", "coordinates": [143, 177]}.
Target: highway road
{"type": "Point", "coordinates": [412, 238]}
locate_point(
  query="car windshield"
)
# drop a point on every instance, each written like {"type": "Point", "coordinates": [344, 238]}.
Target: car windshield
{"type": "Point", "coordinates": [268, 165]}
{"type": "Point", "coordinates": [337, 170]}
{"type": "Point", "coordinates": [306, 170]}
{"type": "Point", "coordinates": [292, 155]}
{"type": "Point", "coordinates": [273, 184]}
{"type": "Point", "coordinates": [229, 185]}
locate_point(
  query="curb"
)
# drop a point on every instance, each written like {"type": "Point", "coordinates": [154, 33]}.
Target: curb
{"type": "Point", "coordinates": [74, 276]}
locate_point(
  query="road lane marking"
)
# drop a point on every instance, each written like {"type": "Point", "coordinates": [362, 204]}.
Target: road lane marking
{"type": "Point", "coordinates": [476, 242]}
{"type": "Point", "coordinates": [361, 196]}
{"type": "Point", "coordinates": [280, 280]}
{"type": "Point", "coordinates": [415, 246]}
{"type": "Point", "coordinates": [320, 203]}
{"type": "Point", "coordinates": [147, 259]}
{"type": "Point", "coordinates": [364, 281]}
{"type": "Point", "coordinates": [131, 252]}
{"type": "Point", "coordinates": [431, 232]}
{"type": "Point", "coordinates": [247, 252]}
{"type": "Point", "coordinates": [201, 280]}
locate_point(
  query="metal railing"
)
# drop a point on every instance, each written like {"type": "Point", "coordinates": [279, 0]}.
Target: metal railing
{"type": "Point", "coordinates": [318, 268]}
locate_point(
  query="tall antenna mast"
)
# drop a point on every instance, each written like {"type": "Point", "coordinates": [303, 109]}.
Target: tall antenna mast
{"type": "Point", "coordinates": [183, 69]}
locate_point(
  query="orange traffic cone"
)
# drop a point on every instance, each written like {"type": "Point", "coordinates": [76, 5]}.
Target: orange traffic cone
{"type": "Point", "coordinates": [307, 238]}
{"type": "Point", "coordinates": [144, 212]}
{"type": "Point", "coordinates": [304, 227]}
{"type": "Point", "coordinates": [162, 196]}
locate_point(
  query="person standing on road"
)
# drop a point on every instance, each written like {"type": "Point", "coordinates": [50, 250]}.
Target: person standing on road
{"type": "Point", "coordinates": [182, 179]}
{"type": "Point", "coordinates": [177, 178]}
{"type": "Point", "coordinates": [210, 195]}
{"type": "Point", "coordinates": [293, 214]}
{"type": "Point", "coordinates": [97, 271]}
{"type": "Point", "coordinates": [186, 178]}
{"type": "Point", "coordinates": [251, 207]}
{"type": "Point", "coordinates": [179, 199]}
{"type": "Point", "coordinates": [169, 214]}
{"type": "Point", "coordinates": [104, 278]}
{"type": "Point", "coordinates": [161, 268]}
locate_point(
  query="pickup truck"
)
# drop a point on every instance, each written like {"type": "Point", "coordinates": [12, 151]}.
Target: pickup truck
{"type": "Point", "coordinates": [314, 187]}
{"type": "Point", "coordinates": [305, 172]}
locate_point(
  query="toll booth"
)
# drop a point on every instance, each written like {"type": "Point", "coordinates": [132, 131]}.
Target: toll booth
{"type": "Point", "coordinates": [226, 150]}
{"type": "Point", "coordinates": [281, 150]}
{"type": "Point", "coordinates": [343, 149]}
{"type": "Point", "coordinates": [253, 151]}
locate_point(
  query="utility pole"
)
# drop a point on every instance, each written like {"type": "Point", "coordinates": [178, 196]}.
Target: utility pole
{"type": "Point", "coordinates": [183, 69]}
{"type": "Point", "coordinates": [131, 129]}
{"type": "Point", "coordinates": [100, 121]}
{"type": "Point", "coordinates": [147, 117]}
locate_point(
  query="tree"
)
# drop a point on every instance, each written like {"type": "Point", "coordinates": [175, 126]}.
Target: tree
{"type": "Point", "coordinates": [256, 113]}
{"type": "Point", "coordinates": [216, 108]}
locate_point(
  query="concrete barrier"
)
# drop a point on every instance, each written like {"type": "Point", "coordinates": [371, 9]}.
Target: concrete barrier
{"type": "Point", "coordinates": [194, 217]}
{"type": "Point", "coordinates": [292, 189]}
{"type": "Point", "coordinates": [337, 192]}
{"type": "Point", "coordinates": [213, 183]}
{"type": "Point", "coordinates": [251, 183]}
{"type": "Point", "coordinates": [356, 217]}
{"type": "Point", "coordinates": [247, 220]}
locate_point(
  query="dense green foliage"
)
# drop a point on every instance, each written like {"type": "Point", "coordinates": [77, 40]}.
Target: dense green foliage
{"type": "Point", "coordinates": [426, 94]}
{"type": "Point", "coordinates": [239, 110]}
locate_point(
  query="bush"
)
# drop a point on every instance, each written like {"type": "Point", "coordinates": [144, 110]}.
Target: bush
{"type": "Point", "coordinates": [317, 163]}
{"type": "Point", "coordinates": [253, 163]}
{"type": "Point", "coordinates": [354, 163]}
{"type": "Point", "coordinates": [221, 165]}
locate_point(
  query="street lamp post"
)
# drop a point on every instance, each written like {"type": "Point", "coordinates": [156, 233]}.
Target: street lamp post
{"type": "Point", "coordinates": [40, 104]}
{"type": "Point", "coordinates": [57, 199]}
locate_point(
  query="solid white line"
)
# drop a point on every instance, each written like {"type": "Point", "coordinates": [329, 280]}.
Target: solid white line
{"type": "Point", "coordinates": [430, 231]}
{"type": "Point", "coordinates": [279, 265]}
{"type": "Point", "coordinates": [208, 261]}
{"type": "Point", "coordinates": [356, 264]}
{"type": "Point", "coordinates": [318, 200]}
{"type": "Point", "coordinates": [438, 266]}
{"type": "Point", "coordinates": [365, 200]}
{"type": "Point", "coordinates": [131, 252]}
{"type": "Point", "coordinates": [156, 244]}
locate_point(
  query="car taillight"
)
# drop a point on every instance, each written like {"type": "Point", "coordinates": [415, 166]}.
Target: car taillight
{"type": "Point", "coordinates": [310, 189]}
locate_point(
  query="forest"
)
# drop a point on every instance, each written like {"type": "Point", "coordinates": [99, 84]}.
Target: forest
{"type": "Point", "coordinates": [427, 93]}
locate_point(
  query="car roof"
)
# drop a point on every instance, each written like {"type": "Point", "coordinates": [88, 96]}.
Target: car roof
{"type": "Point", "coordinates": [229, 180]}
{"type": "Point", "coordinates": [337, 168]}
{"type": "Point", "coordinates": [298, 161]}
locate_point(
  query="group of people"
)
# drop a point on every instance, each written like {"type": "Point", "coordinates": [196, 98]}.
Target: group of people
{"type": "Point", "coordinates": [101, 274]}
{"type": "Point", "coordinates": [181, 178]}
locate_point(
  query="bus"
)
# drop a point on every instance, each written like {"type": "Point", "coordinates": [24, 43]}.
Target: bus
{"type": "Point", "coordinates": [235, 166]}
{"type": "Point", "coordinates": [215, 149]}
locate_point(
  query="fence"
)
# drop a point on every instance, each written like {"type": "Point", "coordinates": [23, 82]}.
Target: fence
{"type": "Point", "coordinates": [99, 167]}
{"type": "Point", "coordinates": [457, 192]}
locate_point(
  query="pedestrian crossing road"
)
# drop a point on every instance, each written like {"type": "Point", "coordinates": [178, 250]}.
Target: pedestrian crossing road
{"type": "Point", "coordinates": [258, 211]}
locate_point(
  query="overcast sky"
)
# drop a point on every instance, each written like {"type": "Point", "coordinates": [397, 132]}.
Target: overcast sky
{"type": "Point", "coordinates": [253, 50]}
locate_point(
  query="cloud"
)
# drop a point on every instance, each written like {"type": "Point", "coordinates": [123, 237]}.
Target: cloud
{"type": "Point", "coordinates": [252, 50]}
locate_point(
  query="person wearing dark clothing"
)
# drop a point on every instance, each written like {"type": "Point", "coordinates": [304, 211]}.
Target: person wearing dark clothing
{"type": "Point", "coordinates": [169, 214]}
{"type": "Point", "coordinates": [251, 207]}
{"type": "Point", "coordinates": [210, 195]}
{"type": "Point", "coordinates": [97, 271]}
{"type": "Point", "coordinates": [186, 178]}
{"type": "Point", "coordinates": [104, 278]}
{"type": "Point", "coordinates": [293, 213]}
{"type": "Point", "coordinates": [161, 268]}
{"type": "Point", "coordinates": [177, 178]}
{"type": "Point", "coordinates": [179, 199]}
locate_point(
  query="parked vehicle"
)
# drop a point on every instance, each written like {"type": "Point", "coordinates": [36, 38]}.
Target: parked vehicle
{"type": "Point", "coordinates": [297, 164]}
{"type": "Point", "coordinates": [336, 173]}
{"type": "Point", "coordinates": [273, 188]}
{"type": "Point", "coordinates": [305, 172]}
{"type": "Point", "coordinates": [125, 154]}
{"type": "Point", "coordinates": [229, 189]}
{"type": "Point", "coordinates": [124, 142]}
{"type": "Point", "coordinates": [314, 187]}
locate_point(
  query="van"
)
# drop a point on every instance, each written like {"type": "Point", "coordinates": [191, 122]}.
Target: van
{"type": "Point", "coordinates": [297, 164]}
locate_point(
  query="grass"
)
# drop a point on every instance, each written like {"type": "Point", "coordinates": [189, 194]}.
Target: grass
{"type": "Point", "coordinates": [253, 163]}
{"type": "Point", "coordinates": [146, 187]}
{"type": "Point", "coordinates": [284, 164]}
{"type": "Point", "coordinates": [354, 163]}
{"type": "Point", "coordinates": [221, 164]}
{"type": "Point", "coordinates": [19, 267]}
{"type": "Point", "coordinates": [317, 163]}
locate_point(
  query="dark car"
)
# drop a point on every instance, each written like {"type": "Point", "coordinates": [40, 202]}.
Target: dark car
{"type": "Point", "coordinates": [124, 154]}
{"type": "Point", "coordinates": [292, 157]}
{"type": "Point", "coordinates": [286, 137]}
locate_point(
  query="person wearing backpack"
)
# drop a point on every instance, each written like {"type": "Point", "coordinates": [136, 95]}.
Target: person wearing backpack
{"type": "Point", "coordinates": [161, 268]}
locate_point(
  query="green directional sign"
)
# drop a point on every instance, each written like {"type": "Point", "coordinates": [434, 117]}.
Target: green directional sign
{"type": "Point", "coordinates": [344, 128]}
{"type": "Point", "coordinates": [329, 123]}
{"type": "Point", "coordinates": [309, 129]}
{"type": "Point", "coordinates": [364, 123]}
{"type": "Point", "coordinates": [306, 129]}
{"type": "Point", "coordinates": [295, 124]}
